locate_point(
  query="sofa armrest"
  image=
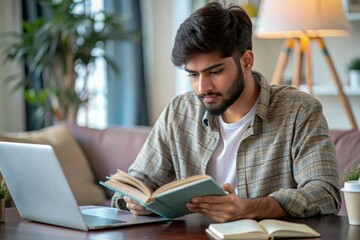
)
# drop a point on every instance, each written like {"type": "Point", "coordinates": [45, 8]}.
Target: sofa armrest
{"type": "Point", "coordinates": [347, 145]}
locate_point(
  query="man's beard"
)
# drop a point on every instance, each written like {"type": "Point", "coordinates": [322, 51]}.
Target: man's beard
{"type": "Point", "coordinates": [234, 93]}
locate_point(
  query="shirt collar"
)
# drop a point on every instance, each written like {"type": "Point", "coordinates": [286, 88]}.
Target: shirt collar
{"type": "Point", "coordinates": [264, 97]}
{"type": "Point", "coordinates": [206, 118]}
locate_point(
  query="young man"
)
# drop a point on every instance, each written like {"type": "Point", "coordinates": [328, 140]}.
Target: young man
{"type": "Point", "coordinates": [269, 145]}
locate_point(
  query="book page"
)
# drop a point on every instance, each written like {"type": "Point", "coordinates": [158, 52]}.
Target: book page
{"type": "Point", "coordinates": [280, 228]}
{"type": "Point", "coordinates": [121, 176]}
{"type": "Point", "coordinates": [241, 229]}
{"type": "Point", "coordinates": [179, 183]}
{"type": "Point", "coordinates": [128, 190]}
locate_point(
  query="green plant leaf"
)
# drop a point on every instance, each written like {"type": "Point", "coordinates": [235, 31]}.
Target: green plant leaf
{"type": "Point", "coordinates": [3, 189]}
{"type": "Point", "coordinates": [36, 97]}
{"type": "Point", "coordinates": [354, 64]}
{"type": "Point", "coordinates": [352, 174]}
{"type": "Point", "coordinates": [56, 48]}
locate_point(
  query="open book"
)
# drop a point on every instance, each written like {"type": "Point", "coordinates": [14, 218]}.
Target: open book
{"type": "Point", "coordinates": [265, 229]}
{"type": "Point", "coordinates": [170, 199]}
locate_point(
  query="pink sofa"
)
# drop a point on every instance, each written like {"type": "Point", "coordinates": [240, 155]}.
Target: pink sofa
{"type": "Point", "coordinates": [105, 151]}
{"type": "Point", "coordinates": [117, 147]}
{"type": "Point", "coordinates": [347, 144]}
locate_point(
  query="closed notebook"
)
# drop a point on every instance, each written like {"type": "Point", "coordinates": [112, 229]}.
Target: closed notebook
{"type": "Point", "coordinates": [265, 229]}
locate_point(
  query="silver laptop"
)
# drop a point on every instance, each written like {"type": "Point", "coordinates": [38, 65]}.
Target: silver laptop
{"type": "Point", "coordinates": [41, 192]}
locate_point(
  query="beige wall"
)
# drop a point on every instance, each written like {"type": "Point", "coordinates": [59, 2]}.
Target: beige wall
{"type": "Point", "coordinates": [11, 104]}
{"type": "Point", "coordinates": [163, 76]}
{"type": "Point", "coordinates": [160, 73]}
{"type": "Point", "coordinates": [341, 50]}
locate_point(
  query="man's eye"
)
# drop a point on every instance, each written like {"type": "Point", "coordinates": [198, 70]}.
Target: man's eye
{"type": "Point", "coordinates": [216, 72]}
{"type": "Point", "coordinates": [193, 75]}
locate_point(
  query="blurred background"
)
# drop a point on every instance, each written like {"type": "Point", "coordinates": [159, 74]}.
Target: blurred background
{"type": "Point", "coordinates": [128, 78]}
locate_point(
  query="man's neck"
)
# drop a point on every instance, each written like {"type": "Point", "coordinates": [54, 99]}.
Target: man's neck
{"type": "Point", "coordinates": [244, 103]}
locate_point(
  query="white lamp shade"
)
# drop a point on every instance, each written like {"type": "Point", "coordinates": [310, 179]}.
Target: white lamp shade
{"type": "Point", "coordinates": [295, 18]}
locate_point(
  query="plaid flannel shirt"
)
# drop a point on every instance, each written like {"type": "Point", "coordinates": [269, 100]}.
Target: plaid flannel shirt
{"type": "Point", "coordinates": [286, 152]}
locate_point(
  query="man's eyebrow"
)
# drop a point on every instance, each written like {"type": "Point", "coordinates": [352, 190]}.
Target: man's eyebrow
{"type": "Point", "coordinates": [207, 68]}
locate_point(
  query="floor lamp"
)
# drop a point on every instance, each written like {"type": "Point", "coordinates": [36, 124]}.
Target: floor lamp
{"type": "Point", "coordinates": [301, 22]}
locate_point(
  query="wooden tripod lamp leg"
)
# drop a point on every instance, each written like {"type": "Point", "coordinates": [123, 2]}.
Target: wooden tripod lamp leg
{"type": "Point", "coordinates": [298, 60]}
{"type": "Point", "coordinates": [306, 45]}
{"type": "Point", "coordinates": [282, 61]}
{"type": "Point", "coordinates": [343, 98]}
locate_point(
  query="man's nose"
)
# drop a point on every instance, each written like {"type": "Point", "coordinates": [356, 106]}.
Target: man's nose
{"type": "Point", "coordinates": [205, 83]}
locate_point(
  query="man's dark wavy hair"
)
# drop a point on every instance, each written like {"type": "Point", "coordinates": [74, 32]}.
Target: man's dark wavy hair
{"type": "Point", "coordinates": [213, 28]}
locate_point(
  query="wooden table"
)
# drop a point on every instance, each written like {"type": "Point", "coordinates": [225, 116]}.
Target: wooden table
{"type": "Point", "coordinates": [189, 227]}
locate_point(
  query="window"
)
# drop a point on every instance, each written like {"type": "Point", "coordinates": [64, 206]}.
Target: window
{"type": "Point", "coordinates": [94, 114]}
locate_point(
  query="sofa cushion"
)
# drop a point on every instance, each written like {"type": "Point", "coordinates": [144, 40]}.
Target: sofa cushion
{"type": "Point", "coordinates": [347, 145]}
{"type": "Point", "coordinates": [72, 160]}
{"type": "Point", "coordinates": [110, 149]}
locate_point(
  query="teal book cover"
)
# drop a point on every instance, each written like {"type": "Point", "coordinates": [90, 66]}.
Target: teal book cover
{"type": "Point", "coordinates": [168, 201]}
{"type": "Point", "coordinates": [177, 198]}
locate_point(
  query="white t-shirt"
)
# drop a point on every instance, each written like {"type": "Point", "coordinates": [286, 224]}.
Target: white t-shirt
{"type": "Point", "coordinates": [222, 164]}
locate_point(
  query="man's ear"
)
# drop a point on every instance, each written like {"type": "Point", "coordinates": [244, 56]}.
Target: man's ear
{"type": "Point", "coordinates": [247, 60]}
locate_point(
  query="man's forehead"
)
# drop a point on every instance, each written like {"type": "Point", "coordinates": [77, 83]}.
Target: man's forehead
{"type": "Point", "coordinates": [205, 61]}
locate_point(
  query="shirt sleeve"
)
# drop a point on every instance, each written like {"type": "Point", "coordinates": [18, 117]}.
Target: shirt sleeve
{"type": "Point", "coordinates": [315, 168]}
{"type": "Point", "coordinates": [153, 165]}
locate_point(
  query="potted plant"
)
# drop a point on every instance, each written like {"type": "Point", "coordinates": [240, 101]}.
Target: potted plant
{"type": "Point", "coordinates": [352, 194]}
{"type": "Point", "coordinates": [352, 174]}
{"type": "Point", "coordinates": [61, 51]}
{"type": "Point", "coordinates": [354, 73]}
{"type": "Point", "coordinates": [3, 194]}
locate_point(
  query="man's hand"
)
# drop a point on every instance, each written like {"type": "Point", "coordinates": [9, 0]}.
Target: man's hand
{"type": "Point", "coordinates": [135, 207]}
{"type": "Point", "coordinates": [232, 207]}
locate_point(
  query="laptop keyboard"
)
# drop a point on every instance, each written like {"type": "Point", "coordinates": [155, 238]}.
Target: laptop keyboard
{"type": "Point", "coordinates": [92, 220]}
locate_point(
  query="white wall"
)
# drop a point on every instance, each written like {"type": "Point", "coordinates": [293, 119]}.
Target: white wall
{"type": "Point", "coordinates": [11, 104]}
